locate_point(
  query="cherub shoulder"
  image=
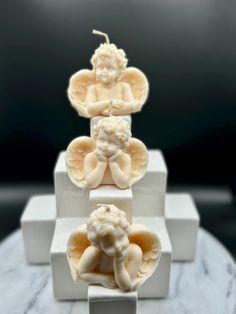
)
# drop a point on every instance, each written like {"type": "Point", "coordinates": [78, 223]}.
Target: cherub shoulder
{"type": "Point", "coordinates": [92, 88]}
{"type": "Point", "coordinates": [134, 250]}
{"type": "Point", "coordinates": [125, 86]}
{"type": "Point", "coordinates": [125, 157]}
{"type": "Point", "coordinates": [90, 157]}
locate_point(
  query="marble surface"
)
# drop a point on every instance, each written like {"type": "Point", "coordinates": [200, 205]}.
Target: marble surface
{"type": "Point", "coordinates": [206, 286]}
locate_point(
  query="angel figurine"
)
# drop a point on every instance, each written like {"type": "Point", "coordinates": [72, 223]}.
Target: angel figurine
{"type": "Point", "coordinates": [110, 156]}
{"type": "Point", "coordinates": [108, 251]}
{"type": "Point", "coordinates": [110, 87]}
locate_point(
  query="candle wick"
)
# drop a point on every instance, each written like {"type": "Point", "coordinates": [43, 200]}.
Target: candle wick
{"type": "Point", "coordinates": [102, 34]}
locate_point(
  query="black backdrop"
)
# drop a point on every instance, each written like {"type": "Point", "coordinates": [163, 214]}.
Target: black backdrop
{"type": "Point", "coordinates": [186, 48]}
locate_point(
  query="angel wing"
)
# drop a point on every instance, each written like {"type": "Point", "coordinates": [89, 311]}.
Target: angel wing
{"type": "Point", "coordinates": [75, 154]}
{"type": "Point", "coordinates": [139, 158]}
{"type": "Point", "coordinates": [77, 90]}
{"type": "Point", "coordinates": [150, 244]}
{"type": "Point", "coordinates": [139, 86]}
{"type": "Point", "coordinates": [76, 245]}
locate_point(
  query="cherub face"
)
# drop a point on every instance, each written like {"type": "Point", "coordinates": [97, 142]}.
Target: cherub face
{"type": "Point", "coordinates": [114, 243]}
{"type": "Point", "coordinates": [107, 143]}
{"type": "Point", "coordinates": [107, 70]}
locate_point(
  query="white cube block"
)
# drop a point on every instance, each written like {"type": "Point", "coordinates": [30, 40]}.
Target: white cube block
{"type": "Point", "coordinates": [63, 285]}
{"type": "Point", "coordinates": [65, 289]}
{"type": "Point", "coordinates": [157, 286]}
{"type": "Point", "coordinates": [38, 223]}
{"type": "Point", "coordinates": [149, 192]}
{"type": "Point", "coordinates": [182, 221]}
{"type": "Point", "coordinates": [94, 121]}
{"type": "Point", "coordinates": [110, 194]}
{"type": "Point", "coordinates": [71, 200]}
{"type": "Point", "coordinates": [102, 300]}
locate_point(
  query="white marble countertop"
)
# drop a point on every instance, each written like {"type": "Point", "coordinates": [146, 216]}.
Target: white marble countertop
{"type": "Point", "coordinates": [206, 286]}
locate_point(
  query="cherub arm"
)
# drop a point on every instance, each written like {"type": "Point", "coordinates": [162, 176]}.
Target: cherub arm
{"type": "Point", "coordinates": [88, 262]}
{"type": "Point", "coordinates": [94, 107]}
{"type": "Point", "coordinates": [126, 104]}
{"type": "Point", "coordinates": [93, 170]}
{"type": "Point", "coordinates": [121, 174]}
{"type": "Point", "coordinates": [126, 272]}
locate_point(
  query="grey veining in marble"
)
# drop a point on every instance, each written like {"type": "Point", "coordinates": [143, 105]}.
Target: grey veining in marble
{"type": "Point", "coordinates": [206, 286]}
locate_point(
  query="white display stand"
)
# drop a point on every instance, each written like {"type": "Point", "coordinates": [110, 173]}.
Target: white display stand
{"type": "Point", "coordinates": [182, 221]}
{"type": "Point", "coordinates": [102, 300]}
{"type": "Point", "coordinates": [110, 194]}
{"type": "Point", "coordinates": [38, 223]}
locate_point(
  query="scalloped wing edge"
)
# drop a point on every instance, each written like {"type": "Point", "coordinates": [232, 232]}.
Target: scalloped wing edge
{"type": "Point", "coordinates": [77, 90]}
{"type": "Point", "coordinates": [139, 157]}
{"type": "Point", "coordinates": [137, 233]}
{"type": "Point", "coordinates": [77, 147]}
{"type": "Point", "coordinates": [78, 236]}
{"type": "Point", "coordinates": [139, 85]}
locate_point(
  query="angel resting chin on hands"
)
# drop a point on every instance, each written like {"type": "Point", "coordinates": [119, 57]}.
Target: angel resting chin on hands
{"type": "Point", "coordinates": [110, 252]}
{"type": "Point", "coordinates": [111, 156]}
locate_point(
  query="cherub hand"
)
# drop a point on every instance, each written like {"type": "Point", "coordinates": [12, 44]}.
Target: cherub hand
{"type": "Point", "coordinates": [115, 157]}
{"type": "Point", "coordinates": [106, 108]}
{"type": "Point", "coordinates": [100, 155]}
{"type": "Point", "coordinates": [117, 104]}
{"type": "Point", "coordinates": [120, 256]}
{"type": "Point", "coordinates": [109, 282]}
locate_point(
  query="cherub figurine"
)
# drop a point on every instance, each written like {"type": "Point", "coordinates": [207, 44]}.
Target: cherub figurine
{"type": "Point", "coordinates": [110, 252]}
{"type": "Point", "coordinates": [110, 87]}
{"type": "Point", "coordinates": [111, 156]}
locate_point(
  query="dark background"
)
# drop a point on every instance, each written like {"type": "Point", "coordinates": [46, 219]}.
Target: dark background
{"type": "Point", "coordinates": [187, 50]}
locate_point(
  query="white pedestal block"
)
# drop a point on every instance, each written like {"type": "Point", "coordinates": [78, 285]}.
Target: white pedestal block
{"type": "Point", "coordinates": [63, 286]}
{"type": "Point", "coordinates": [182, 221]}
{"type": "Point", "coordinates": [71, 200]}
{"type": "Point", "coordinates": [157, 286]}
{"type": "Point", "coordinates": [38, 223]}
{"type": "Point", "coordinates": [102, 300]}
{"type": "Point", "coordinates": [148, 193]}
{"type": "Point", "coordinates": [94, 121]}
{"type": "Point", "coordinates": [65, 289]}
{"type": "Point", "coordinates": [110, 194]}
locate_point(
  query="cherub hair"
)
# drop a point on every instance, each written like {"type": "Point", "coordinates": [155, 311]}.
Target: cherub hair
{"type": "Point", "coordinates": [109, 50]}
{"type": "Point", "coordinates": [104, 220]}
{"type": "Point", "coordinates": [114, 125]}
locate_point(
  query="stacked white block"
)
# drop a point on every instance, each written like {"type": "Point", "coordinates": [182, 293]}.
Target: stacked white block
{"type": "Point", "coordinates": [38, 223]}
{"type": "Point", "coordinates": [63, 286]}
{"type": "Point", "coordinates": [71, 201]}
{"type": "Point", "coordinates": [182, 221]}
{"type": "Point", "coordinates": [102, 300]}
{"type": "Point", "coordinates": [65, 289]}
{"type": "Point", "coordinates": [148, 193]}
{"type": "Point", "coordinates": [110, 194]}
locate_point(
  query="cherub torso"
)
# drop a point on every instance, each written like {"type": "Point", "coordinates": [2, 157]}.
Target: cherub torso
{"type": "Point", "coordinates": [103, 92]}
